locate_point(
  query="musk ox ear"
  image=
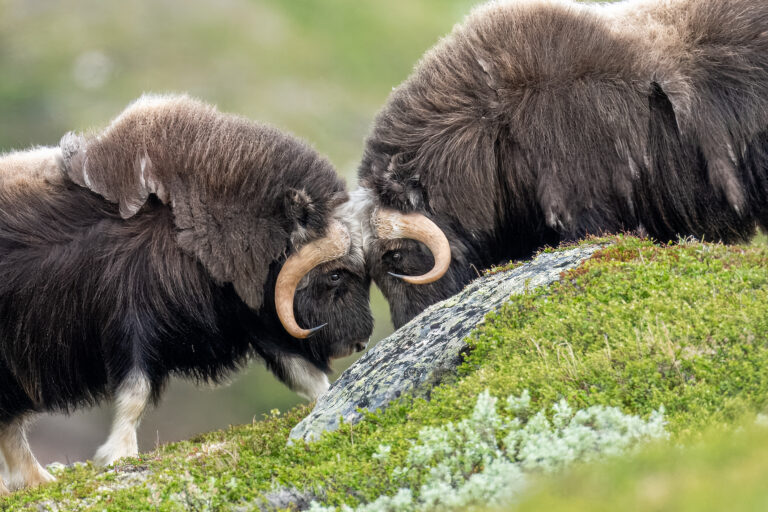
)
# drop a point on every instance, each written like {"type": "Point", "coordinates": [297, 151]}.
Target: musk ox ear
{"type": "Point", "coordinates": [399, 185]}
{"type": "Point", "coordinates": [302, 210]}
{"type": "Point", "coordinates": [127, 183]}
{"type": "Point", "coordinates": [307, 216]}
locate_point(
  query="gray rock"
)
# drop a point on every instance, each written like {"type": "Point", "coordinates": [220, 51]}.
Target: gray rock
{"type": "Point", "coordinates": [286, 498]}
{"type": "Point", "coordinates": [428, 347]}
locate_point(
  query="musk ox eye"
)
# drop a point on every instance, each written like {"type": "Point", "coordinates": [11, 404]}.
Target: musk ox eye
{"type": "Point", "coordinates": [334, 277]}
{"type": "Point", "coordinates": [394, 260]}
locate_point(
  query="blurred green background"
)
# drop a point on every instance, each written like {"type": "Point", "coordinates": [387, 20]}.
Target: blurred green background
{"type": "Point", "coordinates": [318, 68]}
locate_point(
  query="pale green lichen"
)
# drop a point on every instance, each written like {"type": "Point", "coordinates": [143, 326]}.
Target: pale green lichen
{"type": "Point", "coordinates": [485, 460]}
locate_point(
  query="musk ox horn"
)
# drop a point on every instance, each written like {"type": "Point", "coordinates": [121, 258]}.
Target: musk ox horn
{"type": "Point", "coordinates": [391, 224]}
{"type": "Point", "coordinates": [334, 245]}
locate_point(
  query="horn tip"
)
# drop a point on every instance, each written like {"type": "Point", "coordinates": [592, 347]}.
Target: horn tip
{"type": "Point", "coordinates": [418, 280]}
{"type": "Point", "coordinates": [315, 329]}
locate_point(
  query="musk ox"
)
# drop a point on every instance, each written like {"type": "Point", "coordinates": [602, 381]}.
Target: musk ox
{"type": "Point", "coordinates": [536, 122]}
{"type": "Point", "coordinates": [178, 241]}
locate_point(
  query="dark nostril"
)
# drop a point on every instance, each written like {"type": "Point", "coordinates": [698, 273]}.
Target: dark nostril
{"type": "Point", "coordinates": [360, 346]}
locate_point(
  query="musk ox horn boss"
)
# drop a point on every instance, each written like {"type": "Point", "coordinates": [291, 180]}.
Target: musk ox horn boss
{"type": "Point", "coordinates": [536, 122]}
{"type": "Point", "coordinates": [152, 249]}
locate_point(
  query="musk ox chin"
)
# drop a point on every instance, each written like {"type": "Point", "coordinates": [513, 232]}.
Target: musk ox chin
{"type": "Point", "coordinates": [178, 241]}
{"type": "Point", "coordinates": [536, 122]}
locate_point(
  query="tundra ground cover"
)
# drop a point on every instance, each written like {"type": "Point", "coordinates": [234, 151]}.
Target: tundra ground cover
{"type": "Point", "coordinates": [638, 327]}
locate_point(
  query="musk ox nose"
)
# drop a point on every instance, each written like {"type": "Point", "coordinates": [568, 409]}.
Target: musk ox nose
{"type": "Point", "coordinates": [360, 345]}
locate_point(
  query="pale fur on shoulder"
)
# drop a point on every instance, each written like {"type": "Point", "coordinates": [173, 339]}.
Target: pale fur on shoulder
{"type": "Point", "coordinates": [30, 167]}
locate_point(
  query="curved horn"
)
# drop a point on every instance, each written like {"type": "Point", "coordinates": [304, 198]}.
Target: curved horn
{"type": "Point", "coordinates": [334, 245]}
{"type": "Point", "coordinates": [391, 224]}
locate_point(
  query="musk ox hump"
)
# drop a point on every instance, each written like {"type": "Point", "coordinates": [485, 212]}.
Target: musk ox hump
{"type": "Point", "coordinates": [130, 190]}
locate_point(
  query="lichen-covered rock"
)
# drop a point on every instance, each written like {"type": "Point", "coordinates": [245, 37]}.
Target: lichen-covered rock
{"type": "Point", "coordinates": [429, 346]}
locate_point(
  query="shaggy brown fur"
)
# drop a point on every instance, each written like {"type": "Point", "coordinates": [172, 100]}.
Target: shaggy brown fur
{"type": "Point", "coordinates": [152, 249]}
{"type": "Point", "coordinates": [539, 121]}
{"type": "Point", "coordinates": [238, 190]}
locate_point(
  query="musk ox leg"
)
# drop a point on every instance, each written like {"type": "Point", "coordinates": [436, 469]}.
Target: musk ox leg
{"type": "Point", "coordinates": [302, 376]}
{"type": "Point", "coordinates": [130, 401]}
{"type": "Point", "coordinates": [3, 489]}
{"type": "Point", "coordinates": [21, 466]}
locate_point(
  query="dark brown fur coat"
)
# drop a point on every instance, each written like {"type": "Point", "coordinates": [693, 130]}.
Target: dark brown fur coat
{"type": "Point", "coordinates": [539, 121]}
{"type": "Point", "coordinates": [153, 246]}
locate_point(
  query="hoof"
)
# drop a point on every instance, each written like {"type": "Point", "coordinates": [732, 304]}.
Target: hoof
{"type": "Point", "coordinates": [32, 477]}
{"type": "Point", "coordinates": [108, 454]}
{"type": "Point", "coordinates": [40, 477]}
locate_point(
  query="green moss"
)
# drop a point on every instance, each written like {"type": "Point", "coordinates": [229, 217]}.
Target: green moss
{"type": "Point", "coordinates": [637, 326]}
{"type": "Point", "coordinates": [722, 472]}
{"type": "Point", "coordinates": [640, 326]}
{"type": "Point", "coordinates": [502, 268]}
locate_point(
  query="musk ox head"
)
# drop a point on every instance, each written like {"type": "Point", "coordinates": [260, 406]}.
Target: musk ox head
{"type": "Point", "coordinates": [408, 256]}
{"type": "Point", "coordinates": [257, 208]}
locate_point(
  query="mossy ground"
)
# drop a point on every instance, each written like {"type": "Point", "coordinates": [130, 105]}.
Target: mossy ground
{"type": "Point", "coordinates": [637, 326]}
{"type": "Point", "coordinates": [722, 471]}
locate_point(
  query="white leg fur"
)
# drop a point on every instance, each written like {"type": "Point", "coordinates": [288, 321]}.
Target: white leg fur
{"type": "Point", "coordinates": [21, 468]}
{"type": "Point", "coordinates": [130, 401]}
{"type": "Point", "coordinates": [3, 489]}
{"type": "Point", "coordinates": [304, 378]}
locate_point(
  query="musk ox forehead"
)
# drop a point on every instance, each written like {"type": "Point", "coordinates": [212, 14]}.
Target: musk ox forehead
{"type": "Point", "coordinates": [346, 215]}
{"type": "Point", "coordinates": [353, 262]}
{"type": "Point", "coordinates": [357, 213]}
{"type": "Point", "coordinates": [354, 259]}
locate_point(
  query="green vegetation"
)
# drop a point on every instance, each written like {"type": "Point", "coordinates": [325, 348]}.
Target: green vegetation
{"type": "Point", "coordinates": [724, 471]}
{"type": "Point", "coordinates": [487, 458]}
{"type": "Point", "coordinates": [638, 326]}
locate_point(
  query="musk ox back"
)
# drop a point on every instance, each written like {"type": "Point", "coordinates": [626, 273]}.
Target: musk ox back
{"type": "Point", "coordinates": [539, 121]}
{"type": "Point", "coordinates": [178, 241]}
